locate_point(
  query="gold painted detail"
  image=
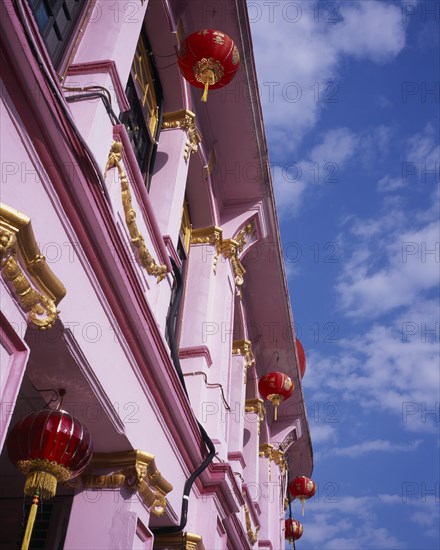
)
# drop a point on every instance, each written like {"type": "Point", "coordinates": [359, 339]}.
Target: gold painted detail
{"type": "Point", "coordinates": [212, 236]}
{"type": "Point", "coordinates": [211, 162]}
{"type": "Point", "coordinates": [179, 541]}
{"type": "Point", "coordinates": [145, 258]}
{"type": "Point", "coordinates": [235, 56]}
{"type": "Point", "coordinates": [143, 75]}
{"type": "Point", "coordinates": [135, 471]}
{"type": "Point", "coordinates": [244, 348]}
{"type": "Point", "coordinates": [184, 119]}
{"type": "Point", "coordinates": [230, 251]}
{"type": "Point", "coordinates": [241, 237]}
{"type": "Point", "coordinates": [274, 455]}
{"type": "Point", "coordinates": [252, 535]}
{"type": "Point", "coordinates": [255, 406]}
{"type": "Point", "coordinates": [208, 70]}
{"type": "Point", "coordinates": [229, 248]}
{"type": "Point", "coordinates": [34, 285]}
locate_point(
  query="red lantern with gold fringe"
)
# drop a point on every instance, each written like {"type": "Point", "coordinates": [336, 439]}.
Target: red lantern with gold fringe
{"type": "Point", "coordinates": [48, 447]}
{"type": "Point", "coordinates": [275, 387]}
{"type": "Point", "coordinates": [293, 530]}
{"type": "Point", "coordinates": [301, 358]}
{"type": "Point", "coordinates": [302, 488]}
{"type": "Point", "coordinates": [208, 59]}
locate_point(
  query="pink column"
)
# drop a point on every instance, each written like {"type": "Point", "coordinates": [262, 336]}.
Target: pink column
{"type": "Point", "coordinates": [207, 321]}
{"type": "Point", "coordinates": [104, 519]}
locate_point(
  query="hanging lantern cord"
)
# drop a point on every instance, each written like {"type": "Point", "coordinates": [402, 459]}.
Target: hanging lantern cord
{"type": "Point", "coordinates": [292, 541]}
{"type": "Point", "coordinates": [208, 77]}
{"type": "Point", "coordinates": [30, 522]}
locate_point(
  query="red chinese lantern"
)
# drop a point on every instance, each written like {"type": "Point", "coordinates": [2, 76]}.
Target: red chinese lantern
{"type": "Point", "coordinates": [301, 358]}
{"type": "Point", "coordinates": [208, 59]}
{"type": "Point", "coordinates": [275, 387]}
{"type": "Point", "coordinates": [48, 447]}
{"type": "Point", "coordinates": [293, 530]}
{"type": "Point", "coordinates": [302, 488]}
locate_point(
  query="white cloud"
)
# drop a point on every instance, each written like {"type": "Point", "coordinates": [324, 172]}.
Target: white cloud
{"type": "Point", "coordinates": [378, 445]}
{"type": "Point", "coordinates": [362, 521]}
{"type": "Point", "coordinates": [299, 54]}
{"type": "Point", "coordinates": [421, 165]}
{"type": "Point", "coordinates": [322, 433]}
{"type": "Point", "coordinates": [388, 183]}
{"type": "Point", "coordinates": [321, 167]}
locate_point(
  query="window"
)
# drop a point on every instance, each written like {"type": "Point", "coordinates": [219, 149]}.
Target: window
{"type": "Point", "coordinates": [56, 20]}
{"type": "Point", "coordinates": [144, 95]}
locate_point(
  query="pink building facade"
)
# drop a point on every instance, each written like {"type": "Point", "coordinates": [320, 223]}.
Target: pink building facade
{"type": "Point", "coordinates": [117, 182]}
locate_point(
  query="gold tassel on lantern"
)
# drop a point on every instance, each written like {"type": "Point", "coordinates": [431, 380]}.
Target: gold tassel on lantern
{"type": "Point", "coordinates": [43, 482]}
{"type": "Point", "coordinates": [30, 523]}
{"type": "Point", "coordinates": [276, 400]}
{"type": "Point", "coordinates": [208, 79]}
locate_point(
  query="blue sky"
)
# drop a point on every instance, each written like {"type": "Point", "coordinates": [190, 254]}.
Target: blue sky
{"type": "Point", "coordinates": [350, 94]}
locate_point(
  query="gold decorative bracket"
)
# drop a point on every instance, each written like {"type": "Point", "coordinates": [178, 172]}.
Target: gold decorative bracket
{"type": "Point", "coordinates": [184, 119]}
{"type": "Point", "coordinates": [209, 235]}
{"type": "Point", "coordinates": [145, 258]}
{"type": "Point", "coordinates": [134, 470]}
{"type": "Point", "coordinates": [179, 541]}
{"type": "Point", "coordinates": [229, 248]}
{"type": "Point", "coordinates": [274, 455]}
{"type": "Point", "coordinates": [252, 535]}
{"type": "Point", "coordinates": [23, 268]}
{"type": "Point", "coordinates": [244, 348]}
{"type": "Point", "coordinates": [255, 406]}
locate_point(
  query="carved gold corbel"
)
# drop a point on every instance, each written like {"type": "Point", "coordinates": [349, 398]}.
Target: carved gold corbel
{"type": "Point", "coordinates": [252, 535]}
{"type": "Point", "coordinates": [255, 406]}
{"type": "Point", "coordinates": [273, 455]}
{"type": "Point", "coordinates": [265, 451]}
{"type": "Point", "coordinates": [179, 541]}
{"type": "Point", "coordinates": [230, 251]}
{"type": "Point", "coordinates": [135, 470]}
{"type": "Point", "coordinates": [241, 239]}
{"type": "Point", "coordinates": [212, 236]}
{"type": "Point", "coordinates": [145, 258]}
{"type": "Point", "coordinates": [34, 285]}
{"type": "Point", "coordinates": [184, 119]}
{"type": "Point", "coordinates": [229, 248]}
{"type": "Point", "coordinates": [244, 348]}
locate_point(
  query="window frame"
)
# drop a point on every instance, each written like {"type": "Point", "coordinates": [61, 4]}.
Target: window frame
{"type": "Point", "coordinates": [50, 23]}
{"type": "Point", "coordinates": [144, 93]}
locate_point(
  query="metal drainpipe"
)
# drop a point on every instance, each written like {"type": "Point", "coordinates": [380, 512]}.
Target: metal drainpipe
{"type": "Point", "coordinates": [207, 440]}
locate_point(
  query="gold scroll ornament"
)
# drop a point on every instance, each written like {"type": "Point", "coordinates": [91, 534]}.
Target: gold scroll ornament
{"type": "Point", "coordinates": [229, 248]}
{"type": "Point", "coordinates": [244, 348]}
{"type": "Point", "coordinates": [135, 471]}
{"type": "Point", "coordinates": [185, 120]}
{"type": "Point", "coordinates": [32, 282]}
{"type": "Point", "coordinates": [255, 406]}
{"type": "Point", "coordinates": [252, 535]}
{"type": "Point", "coordinates": [145, 258]}
{"type": "Point", "coordinates": [273, 455]}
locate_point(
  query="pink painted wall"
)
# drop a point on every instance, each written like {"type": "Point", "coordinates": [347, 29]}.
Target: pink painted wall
{"type": "Point", "coordinates": [117, 354]}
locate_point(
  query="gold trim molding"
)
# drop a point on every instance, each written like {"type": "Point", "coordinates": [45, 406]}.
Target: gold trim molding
{"type": "Point", "coordinates": [255, 406]}
{"type": "Point", "coordinates": [145, 258]}
{"type": "Point", "coordinates": [179, 541]}
{"type": "Point", "coordinates": [274, 455]}
{"type": "Point", "coordinates": [23, 268]}
{"type": "Point", "coordinates": [244, 348]}
{"type": "Point", "coordinates": [252, 535]}
{"type": "Point", "coordinates": [209, 235]}
{"type": "Point", "coordinates": [184, 119]}
{"type": "Point", "coordinates": [134, 470]}
{"type": "Point", "coordinates": [229, 248]}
